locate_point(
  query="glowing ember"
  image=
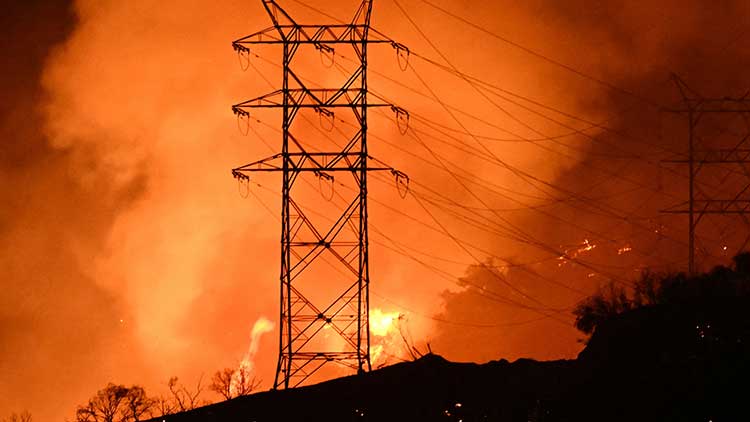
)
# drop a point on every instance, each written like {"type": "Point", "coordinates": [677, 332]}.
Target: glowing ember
{"type": "Point", "coordinates": [585, 246]}
{"type": "Point", "coordinates": [624, 249]}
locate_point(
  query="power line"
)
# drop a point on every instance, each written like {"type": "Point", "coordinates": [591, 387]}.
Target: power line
{"type": "Point", "coordinates": [416, 27]}
{"type": "Point", "coordinates": [438, 100]}
{"type": "Point", "coordinates": [567, 222]}
{"type": "Point", "coordinates": [462, 323]}
{"type": "Point", "coordinates": [541, 56]}
{"type": "Point", "coordinates": [523, 235]}
{"type": "Point", "coordinates": [453, 238]}
{"type": "Point", "coordinates": [485, 228]}
{"type": "Point", "coordinates": [575, 131]}
{"type": "Point", "coordinates": [447, 276]}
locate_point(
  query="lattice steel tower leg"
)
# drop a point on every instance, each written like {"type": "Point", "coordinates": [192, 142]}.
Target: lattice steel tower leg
{"type": "Point", "coordinates": [302, 348]}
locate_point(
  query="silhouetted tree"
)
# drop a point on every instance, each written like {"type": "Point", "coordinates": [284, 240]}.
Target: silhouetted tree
{"type": "Point", "coordinates": [230, 383]}
{"type": "Point", "coordinates": [705, 295]}
{"type": "Point", "coordinates": [646, 290]}
{"type": "Point", "coordinates": [183, 398]}
{"type": "Point", "coordinates": [24, 416]}
{"type": "Point", "coordinates": [601, 306]}
{"type": "Point", "coordinates": [137, 404]}
{"type": "Point", "coordinates": [221, 383]}
{"type": "Point", "coordinates": [117, 403]}
{"type": "Point", "coordinates": [164, 406]}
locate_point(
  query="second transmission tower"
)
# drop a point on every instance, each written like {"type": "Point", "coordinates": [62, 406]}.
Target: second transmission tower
{"type": "Point", "coordinates": [728, 197]}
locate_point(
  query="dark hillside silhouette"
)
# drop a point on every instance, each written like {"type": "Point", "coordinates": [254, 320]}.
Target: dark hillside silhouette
{"type": "Point", "coordinates": [671, 317]}
{"type": "Point", "coordinates": [675, 349]}
{"type": "Point", "coordinates": [678, 347]}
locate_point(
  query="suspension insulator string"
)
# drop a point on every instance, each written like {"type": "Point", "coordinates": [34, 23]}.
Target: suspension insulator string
{"type": "Point", "coordinates": [402, 183]}
{"type": "Point", "coordinates": [326, 52]}
{"type": "Point", "coordinates": [402, 119]}
{"type": "Point", "coordinates": [402, 55]}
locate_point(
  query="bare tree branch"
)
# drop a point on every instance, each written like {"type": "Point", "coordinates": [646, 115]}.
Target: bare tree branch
{"type": "Point", "coordinates": [117, 403]}
{"type": "Point", "coordinates": [185, 399]}
{"type": "Point", "coordinates": [24, 416]}
{"type": "Point", "coordinates": [230, 383]}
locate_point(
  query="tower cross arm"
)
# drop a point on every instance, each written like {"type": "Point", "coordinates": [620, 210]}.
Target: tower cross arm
{"type": "Point", "coordinates": [308, 98]}
{"type": "Point", "coordinates": [713, 206]}
{"type": "Point", "coordinates": [734, 155]}
{"type": "Point", "coordinates": [317, 162]}
{"type": "Point", "coordinates": [314, 34]}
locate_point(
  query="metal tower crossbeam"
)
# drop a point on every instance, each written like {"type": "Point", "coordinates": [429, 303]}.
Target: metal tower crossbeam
{"type": "Point", "coordinates": [316, 162]}
{"type": "Point", "coordinates": [314, 34]}
{"type": "Point", "coordinates": [307, 322]}
{"type": "Point", "coordinates": [717, 156]}
{"type": "Point", "coordinates": [712, 206]}
{"type": "Point", "coordinates": [307, 98]}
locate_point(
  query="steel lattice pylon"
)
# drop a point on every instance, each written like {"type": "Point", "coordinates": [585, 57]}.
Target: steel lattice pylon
{"type": "Point", "coordinates": [735, 200]}
{"type": "Point", "coordinates": [302, 322]}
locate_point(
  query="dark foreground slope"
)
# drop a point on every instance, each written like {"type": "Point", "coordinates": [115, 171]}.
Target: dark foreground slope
{"type": "Point", "coordinates": [658, 383]}
{"type": "Point", "coordinates": [427, 389]}
{"type": "Point", "coordinates": [679, 352]}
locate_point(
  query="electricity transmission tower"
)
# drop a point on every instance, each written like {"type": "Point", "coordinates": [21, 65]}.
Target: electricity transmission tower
{"type": "Point", "coordinates": [729, 147]}
{"type": "Point", "coordinates": [316, 329]}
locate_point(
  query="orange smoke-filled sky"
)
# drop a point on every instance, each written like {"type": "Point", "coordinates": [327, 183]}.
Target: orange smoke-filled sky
{"type": "Point", "coordinates": [129, 256]}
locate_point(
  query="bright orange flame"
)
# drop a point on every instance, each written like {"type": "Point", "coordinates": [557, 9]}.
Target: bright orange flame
{"type": "Point", "coordinates": [383, 326]}
{"type": "Point", "coordinates": [381, 323]}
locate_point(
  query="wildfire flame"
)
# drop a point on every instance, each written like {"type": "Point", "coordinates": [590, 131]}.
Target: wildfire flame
{"type": "Point", "coordinates": [381, 323]}
{"type": "Point", "coordinates": [262, 325]}
{"type": "Point", "coordinates": [383, 327]}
